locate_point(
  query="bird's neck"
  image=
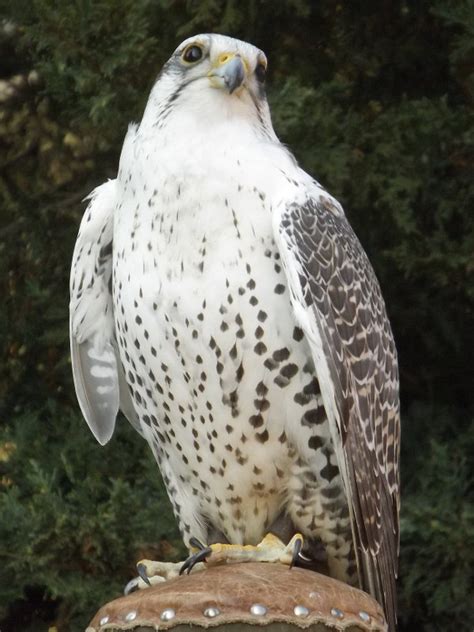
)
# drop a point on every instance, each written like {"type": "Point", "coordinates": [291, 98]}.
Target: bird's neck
{"type": "Point", "coordinates": [201, 113]}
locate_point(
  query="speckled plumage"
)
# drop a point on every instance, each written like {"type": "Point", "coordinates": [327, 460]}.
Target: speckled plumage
{"type": "Point", "coordinates": [221, 299]}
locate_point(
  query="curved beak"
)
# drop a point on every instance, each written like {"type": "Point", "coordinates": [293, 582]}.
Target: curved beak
{"type": "Point", "coordinates": [229, 72]}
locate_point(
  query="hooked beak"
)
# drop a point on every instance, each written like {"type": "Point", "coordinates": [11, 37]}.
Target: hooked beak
{"type": "Point", "coordinates": [228, 72]}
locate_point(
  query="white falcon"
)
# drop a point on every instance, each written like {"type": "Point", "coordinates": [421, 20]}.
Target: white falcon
{"type": "Point", "coordinates": [221, 300]}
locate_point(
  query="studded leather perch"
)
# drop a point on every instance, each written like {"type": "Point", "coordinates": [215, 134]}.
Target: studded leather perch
{"type": "Point", "coordinates": [237, 596]}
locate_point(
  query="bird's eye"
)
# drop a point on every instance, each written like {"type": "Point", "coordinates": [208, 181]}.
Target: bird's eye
{"type": "Point", "coordinates": [192, 54]}
{"type": "Point", "coordinates": [260, 72]}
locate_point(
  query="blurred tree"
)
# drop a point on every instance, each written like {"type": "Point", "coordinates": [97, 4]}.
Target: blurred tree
{"type": "Point", "coordinates": [375, 99]}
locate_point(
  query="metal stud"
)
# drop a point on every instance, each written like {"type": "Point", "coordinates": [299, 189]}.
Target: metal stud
{"type": "Point", "coordinates": [365, 616]}
{"type": "Point", "coordinates": [167, 614]}
{"type": "Point", "coordinates": [211, 612]}
{"type": "Point", "coordinates": [258, 610]}
{"type": "Point", "coordinates": [337, 613]}
{"type": "Point", "coordinates": [301, 611]}
{"type": "Point", "coordinates": [131, 616]}
{"type": "Point", "coordinates": [104, 620]}
{"type": "Point", "coordinates": [313, 594]}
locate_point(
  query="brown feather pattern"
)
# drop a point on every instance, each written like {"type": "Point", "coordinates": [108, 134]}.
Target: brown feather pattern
{"type": "Point", "coordinates": [339, 289]}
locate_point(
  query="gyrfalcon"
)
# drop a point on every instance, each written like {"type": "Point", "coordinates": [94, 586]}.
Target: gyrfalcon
{"type": "Point", "coordinates": [221, 300]}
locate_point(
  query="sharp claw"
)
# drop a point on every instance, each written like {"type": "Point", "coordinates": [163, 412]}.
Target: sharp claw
{"type": "Point", "coordinates": [296, 552]}
{"type": "Point", "coordinates": [304, 562]}
{"type": "Point", "coordinates": [141, 570]}
{"type": "Point", "coordinates": [192, 560]}
{"type": "Point", "coordinates": [194, 542]}
{"type": "Point", "coordinates": [132, 586]}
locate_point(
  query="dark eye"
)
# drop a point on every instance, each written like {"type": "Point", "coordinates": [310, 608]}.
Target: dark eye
{"type": "Point", "coordinates": [260, 72]}
{"type": "Point", "coordinates": [192, 54]}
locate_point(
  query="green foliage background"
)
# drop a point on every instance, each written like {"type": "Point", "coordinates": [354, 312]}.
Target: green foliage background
{"type": "Point", "coordinates": [375, 99]}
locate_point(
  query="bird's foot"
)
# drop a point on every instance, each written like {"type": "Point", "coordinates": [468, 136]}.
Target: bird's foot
{"type": "Point", "coordinates": [271, 549]}
{"type": "Point", "coordinates": [151, 573]}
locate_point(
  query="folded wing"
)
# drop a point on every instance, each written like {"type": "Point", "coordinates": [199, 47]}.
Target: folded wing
{"type": "Point", "coordinates": [337, 301]}
{"type": "Point", "coordinates": [100, 386]}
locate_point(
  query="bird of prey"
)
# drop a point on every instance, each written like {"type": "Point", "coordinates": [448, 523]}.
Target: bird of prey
{"type": "Point", "coordinates": [221, 300]}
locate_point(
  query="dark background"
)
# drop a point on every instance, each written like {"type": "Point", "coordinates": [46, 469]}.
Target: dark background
{"type": "Point", "coordinates": [375, 99]}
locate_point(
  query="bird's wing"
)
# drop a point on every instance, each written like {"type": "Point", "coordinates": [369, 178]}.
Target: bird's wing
{"type": "Point", "coordinates": [100, 385]}
{"type": "Point", "coordinates": [337, 301]}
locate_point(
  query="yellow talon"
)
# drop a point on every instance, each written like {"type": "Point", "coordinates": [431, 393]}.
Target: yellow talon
{"type": "Point", "coordinates": [270, 549]}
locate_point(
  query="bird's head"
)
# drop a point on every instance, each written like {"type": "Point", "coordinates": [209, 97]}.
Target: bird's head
{"type": "Point", "coordinates": [221, 63]}
{"type": "Point", "coordinates": [213, 75]}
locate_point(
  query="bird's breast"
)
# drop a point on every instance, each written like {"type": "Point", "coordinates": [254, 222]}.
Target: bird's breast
{"type": "Point", "coordinates": [212, 354]}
